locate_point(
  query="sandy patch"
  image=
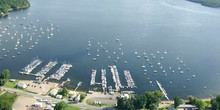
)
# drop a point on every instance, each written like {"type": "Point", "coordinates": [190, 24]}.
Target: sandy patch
{"type": "Point", "coordinates": [24, 103]}
{"type": "Point", "coordinates": [103, 98]}
{"type": "Point", "coordinates": [38, 88]}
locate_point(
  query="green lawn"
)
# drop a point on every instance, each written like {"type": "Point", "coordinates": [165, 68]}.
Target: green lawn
{"type": "Point", "coordinates": [73, 108]}
{"type": "Point", "coordinates": [8, 98]}
{"type": "Point", "coordinates": [11, 84]}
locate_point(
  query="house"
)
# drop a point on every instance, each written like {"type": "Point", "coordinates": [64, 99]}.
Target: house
{"type": "Point", "coordinates": [77, 99]}
{"type": "Point", "coordinates": [21, 86]}
{"type": "Point", "coordinates": [53, 92]}
{"type": "Point", "coordinates": [186, 107]}
{"type": "Point", "coordinates": [72, 97]}
{"type": "Point", "coordinates": [59, 96]}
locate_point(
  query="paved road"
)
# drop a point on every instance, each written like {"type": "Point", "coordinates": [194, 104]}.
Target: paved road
{"type": "Point", "coordinates": [82, 105]}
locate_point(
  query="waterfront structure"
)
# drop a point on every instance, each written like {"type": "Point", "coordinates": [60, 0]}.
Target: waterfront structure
{"type": "Point", "coordinates": [53, 92]}
{"type": "Point", "coordinates": [29, 68]}
{"type": "Point", "coordinates": [77, 98]}
{"type": "Point", "coordinates": [116, 79]}
{"type": "Point", "coordinates": [92, 82]}
{"type": "Point", "coordinates": [21, 86]}
{"type": "Point", "coordinates": [129, 79]}
{"type": "Point", "coordinates": [61, 72]}
{"type": "Point", "coordinates": [163, 90]}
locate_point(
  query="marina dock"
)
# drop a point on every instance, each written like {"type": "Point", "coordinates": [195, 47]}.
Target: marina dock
{"type": "Point", "coordinates": [116, 79]}
{"type": "Point", "coordinates": [92, 82]}
{"type": "Point", "coordinates": [163, 90]}
{"type": "Point", "coordinates": [61, 72]}
{"type": "Point", "coordinates": [47, 68]}
{"type": "Point", "coordinates": [129, 79]}
{"type": "Point", "coordinates": [41, 74]}
{"type": "Point", "coordinates": [30, 67]}
{"type": "Point", "coordinates": [104, 81]}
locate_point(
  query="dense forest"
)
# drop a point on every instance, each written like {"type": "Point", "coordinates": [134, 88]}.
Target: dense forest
{"type": "Point", "coordinates": [210, 3]}
{"type": "Point", "coordinates": [6, 5]}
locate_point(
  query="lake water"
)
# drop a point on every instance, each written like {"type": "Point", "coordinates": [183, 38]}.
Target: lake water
{"type": "Point", "coordinates": [184, 30]}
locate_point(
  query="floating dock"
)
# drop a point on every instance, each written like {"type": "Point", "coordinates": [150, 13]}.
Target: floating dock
{"type": "Point", "coordinates": [129, 79]}
{"type": "Point", "coordinates": [104, 81]}
{"type": "Point", "coordinates": [163, 90]}
{"type": "Point", "coordinates": [47, 68]}
{"type": "Point", "coordinates": [29, 68]}
{"type": "Point", "coordinates": [116, 79]}
{"type": "Point", "coordinates": [92, 82]}
{"type": "Point", "coordinates": [61, 72]}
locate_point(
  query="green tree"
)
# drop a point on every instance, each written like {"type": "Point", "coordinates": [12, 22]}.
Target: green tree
{"type": "Point", "coordinates": [5, 74]}
{"type": "Point", "coordinates": [128, 105]}
{"type": "Point", "coordinates": [2, 82]}
{"type": "Point", "coordinates": [153, 107]}
{"type": "Point", "coordinates": [120, 103]}
{"type": "Point", "coordinates": [177, 101]}
{"type": "Point", "coordinates": [215, 105]}
{"type": "Point", "coordinates": [61, 106]}
{"type": "Point", "coordinates": [139, 101]}
{"type": "Point", "coordinates": [153, 98]}
{"type": "Point", "coordinates": [218, 99]}
{"type": "Point", "coordinates": [200, 104]}
{"type": "Point", "coordinates": [64, 92]}
{"type": "Point", "coordinates": [158, 94]}
{"type": "Point", "coordinates": [190, 98]}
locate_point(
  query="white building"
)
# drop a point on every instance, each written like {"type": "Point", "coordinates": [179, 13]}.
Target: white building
{"type": "Point", "coordinates": [21, 86]}
{"type": "Point", "coordinates": [72, 96]}
{"type": "Point", "coordinates": [53, 92]}
{"type": "Point", "coordinates": [186, 107]}
{"type": "Point", "coordinates": [77, 99]}
{"type": "Point", "coordinates": [125, 96]}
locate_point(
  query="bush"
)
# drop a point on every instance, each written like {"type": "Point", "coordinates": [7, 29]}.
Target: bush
{"type": "Point", "coordinates": [82, 97]}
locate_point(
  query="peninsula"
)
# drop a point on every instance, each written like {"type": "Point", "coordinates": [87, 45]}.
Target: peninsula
{"type": "Point", "coordinates": [9, 5]}
{"type": "Point", "coordinates": [209, 3]}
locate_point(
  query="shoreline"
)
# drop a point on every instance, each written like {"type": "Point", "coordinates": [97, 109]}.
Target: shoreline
{"type": "Point", "coordinates": [84, 91]}
{"type": "Point", "coordinates": [206, 4]}
{"type": "Point", "coordinates": [11, 9]}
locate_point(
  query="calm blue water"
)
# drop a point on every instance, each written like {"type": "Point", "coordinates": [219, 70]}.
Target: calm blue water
{"type": "Point", "coordinates": [185, 30]}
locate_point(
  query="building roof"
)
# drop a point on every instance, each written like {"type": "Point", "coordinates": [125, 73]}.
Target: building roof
{"type": "Point", "coordinates": [186, 106]}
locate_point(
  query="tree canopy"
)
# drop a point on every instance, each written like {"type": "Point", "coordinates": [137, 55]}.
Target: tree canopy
{"type": "Point", "coordinates": [197, 102]}
{"type": "Point", "coordinates": [150, 100]}
{"type": "Point", "coordinates": [64, 92]}
{"type": "Point", "coordinates": [4, 77]}
{"type": "Point", "coordinates": [177, 101]}
{"type": "Point", "coordinates": [5, 5]}
{"type": "Point", "coordinates": [61, 106]}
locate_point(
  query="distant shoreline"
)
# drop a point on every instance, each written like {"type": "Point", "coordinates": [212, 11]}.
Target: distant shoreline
{"type": "Point", "coordinates": [207, 3]}
{"type": "Point", "coordinates": [11, 9]}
